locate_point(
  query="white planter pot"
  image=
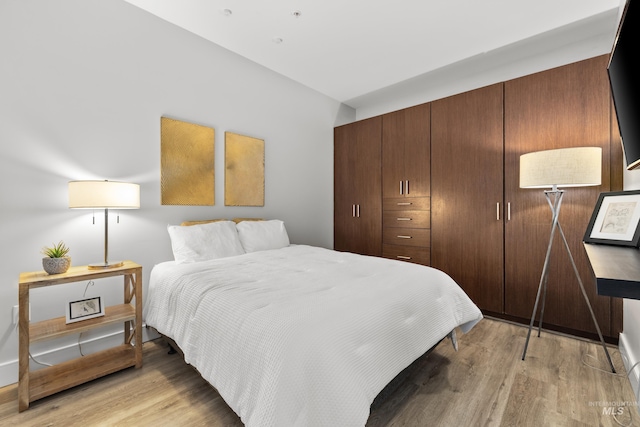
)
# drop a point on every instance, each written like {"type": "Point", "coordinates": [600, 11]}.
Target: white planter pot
{"type": "Point", "coordinates": [56, 265]}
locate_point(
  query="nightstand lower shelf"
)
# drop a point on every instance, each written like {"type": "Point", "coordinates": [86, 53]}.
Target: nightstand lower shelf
{"type": "Point", "coordinates": [52, 379]}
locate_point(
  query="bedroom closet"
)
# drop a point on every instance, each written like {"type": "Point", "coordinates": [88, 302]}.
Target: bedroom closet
{"type": "Point", "coordinates": [357, 211]}
{"type": "Point", "coordinates": [492, 236]}
{"type": "Point", "coordinates": [486, 232]}
{"type": "Point", "coordinates": [406, 184]}
{"type": "Point", "coordinates": [467, 180]}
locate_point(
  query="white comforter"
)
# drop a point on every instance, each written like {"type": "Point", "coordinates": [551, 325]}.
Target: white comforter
{"type": "Point", "coordinates": [304, 336]}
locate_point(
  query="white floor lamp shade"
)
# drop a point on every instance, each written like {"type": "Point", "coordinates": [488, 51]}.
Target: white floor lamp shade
{"type": "Point", "coordinates": [564, 167]}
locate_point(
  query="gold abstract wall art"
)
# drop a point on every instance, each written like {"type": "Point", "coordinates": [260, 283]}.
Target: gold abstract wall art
{"type": "Point", "coordinates": [243, 170]}
{"type": "Point", "coordinates": [186, 163]}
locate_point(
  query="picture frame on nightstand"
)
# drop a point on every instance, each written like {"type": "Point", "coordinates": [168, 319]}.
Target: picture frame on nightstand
{"type": "Point", "coordinates": [84, 309]}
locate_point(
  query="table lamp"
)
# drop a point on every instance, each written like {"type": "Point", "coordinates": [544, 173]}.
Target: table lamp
{"type": "Point", "coordinates": [104, 195]}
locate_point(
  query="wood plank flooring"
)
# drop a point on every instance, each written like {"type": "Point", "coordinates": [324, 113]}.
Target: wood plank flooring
{"type": "Point", "coordinates": [485, 383]}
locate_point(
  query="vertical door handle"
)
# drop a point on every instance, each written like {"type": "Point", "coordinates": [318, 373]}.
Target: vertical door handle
{"type": "Point", "coordinates": [353, 211]}
{"type": "Point", "coordinates": [498, 211]}
{"type": "Point", "coordinates": [401, 188]}
{"type": "Point", "coordinates": [358, 211]}
{"type": "Point", "coordinates": [406, 187]}
{"type": "Point", "coordinates": [509, 211]}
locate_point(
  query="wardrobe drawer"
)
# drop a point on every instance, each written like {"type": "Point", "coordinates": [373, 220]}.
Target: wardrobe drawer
{"type": "Point", "coordinates": [406, 203]}
{"type": "Point", "coordinates": [407, 236]}
{"type": "Point", "coordinates": [407, 253]}
{"type": "Point", "coordinates": [406, 219]}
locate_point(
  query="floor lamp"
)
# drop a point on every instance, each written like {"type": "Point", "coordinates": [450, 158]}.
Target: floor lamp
{"type": "Point", "coordinates": [565, 167]}
{"type": "Point", "coordinates": [104, 195]}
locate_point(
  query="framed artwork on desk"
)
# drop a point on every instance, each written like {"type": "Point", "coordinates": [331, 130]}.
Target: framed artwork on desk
{"type": "Point", "coordinates": [615, 219]}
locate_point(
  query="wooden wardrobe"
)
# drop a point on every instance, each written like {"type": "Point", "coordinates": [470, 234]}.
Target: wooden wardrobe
{"type": "Point", "coordinates": [484, 231]}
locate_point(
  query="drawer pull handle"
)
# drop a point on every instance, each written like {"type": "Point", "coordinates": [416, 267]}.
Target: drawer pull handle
{"type": "Point", "coordinates": [403, 257]}
{"type": "Point", "coordinates": [403, 237]}
{"type": "Point", "coordinates": [404, 204]}
{"type": "Point", "coordinates": [403, 219]}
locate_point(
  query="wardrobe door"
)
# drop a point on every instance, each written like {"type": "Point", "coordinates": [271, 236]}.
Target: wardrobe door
{"type": "Point", "coordinates": [357, 187]}
{"type": "Point", "coordinates": [406, 152]}
{"type": "Point", "coordinates": [467, 193]}
{"type": "Point", "coordinates": [564, 107]}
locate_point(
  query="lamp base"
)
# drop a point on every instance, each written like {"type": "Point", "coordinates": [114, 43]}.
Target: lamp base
{"type": "Point", "coordinates": [105, 265]}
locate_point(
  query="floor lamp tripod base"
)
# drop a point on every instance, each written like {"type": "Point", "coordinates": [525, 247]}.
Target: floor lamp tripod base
{"type": "Point", "coordinates": [542, 287]}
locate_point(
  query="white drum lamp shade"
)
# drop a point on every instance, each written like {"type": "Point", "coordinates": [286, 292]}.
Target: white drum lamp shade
{"type": "Point", "coordinates": [104, 195]}
{"type": "Point", "coordinates": [564, 167]}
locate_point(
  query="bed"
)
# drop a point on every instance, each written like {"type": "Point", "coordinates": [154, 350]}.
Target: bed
{"type": "Point", "coordinates": [296, 335]}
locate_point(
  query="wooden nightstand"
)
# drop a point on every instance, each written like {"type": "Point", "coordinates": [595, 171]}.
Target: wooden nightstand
{"type": "Point", "coordinates": [52, 379]}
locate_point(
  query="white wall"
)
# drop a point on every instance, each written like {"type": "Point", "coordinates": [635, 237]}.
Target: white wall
{"type": "Point", "coordinates": [577, 41]}
{"type": "Point", "coordinates": [629, 342]}
{"type": "Point", "coordinates": [83, 85]}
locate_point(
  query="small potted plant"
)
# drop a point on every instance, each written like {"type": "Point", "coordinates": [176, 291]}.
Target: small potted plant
{"type": "Point", "coordinates": [56, 260]}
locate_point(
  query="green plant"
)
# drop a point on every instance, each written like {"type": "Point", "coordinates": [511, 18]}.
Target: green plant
{"type": "Point", "coordinates": [56, 251]}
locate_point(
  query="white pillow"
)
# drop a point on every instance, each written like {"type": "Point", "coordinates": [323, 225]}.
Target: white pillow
{"type": "Point", "coordinates": [203, 242]}
{"type": "Point", "coordinates": [262, 235]}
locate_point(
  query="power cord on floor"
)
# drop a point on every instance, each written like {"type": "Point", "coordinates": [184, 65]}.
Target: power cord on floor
{"type": "Point", "coordinates": [615, 418]}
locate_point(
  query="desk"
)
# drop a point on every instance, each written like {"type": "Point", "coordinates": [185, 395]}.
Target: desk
{"type": "Point", "coordinates": [616, 268]}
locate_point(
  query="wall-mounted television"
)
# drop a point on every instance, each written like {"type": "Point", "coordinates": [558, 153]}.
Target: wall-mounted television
{"type": "Point", "coordinates": [624, 77]}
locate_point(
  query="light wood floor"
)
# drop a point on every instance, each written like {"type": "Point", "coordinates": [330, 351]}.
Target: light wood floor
{"type": "Point", "coordinates": [485, 383]}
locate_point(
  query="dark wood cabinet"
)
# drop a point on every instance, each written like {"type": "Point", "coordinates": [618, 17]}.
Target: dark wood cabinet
{"type": "Point", "coordinates": [439, 184]}
{"type": "Point", "coordinates": [406, 152]}
{"type": "Point", "coordinates": [564, 107]}
{"type": "Point", "coordinates": [358, 187]}
{"type": "Point", "coordinates": [406, 184]}
{"type": "Point", "coordinates": [467, 193]}
{"type": "Point", "coordinates": [489, 234]}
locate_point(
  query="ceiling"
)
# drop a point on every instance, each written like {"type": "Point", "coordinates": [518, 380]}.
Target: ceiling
{"type": "Point", "coordinates": [347, 49]}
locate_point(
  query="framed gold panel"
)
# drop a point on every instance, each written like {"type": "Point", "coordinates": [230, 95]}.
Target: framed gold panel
{"type": "Point", "coordinates": [186, 163]}
{"type": "Point", "coordinates": [243, 170]}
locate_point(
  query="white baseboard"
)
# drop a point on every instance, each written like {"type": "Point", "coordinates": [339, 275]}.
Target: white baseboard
{"type": "Point", "coordinates": [9, 370]}
{"type": "Point", "coordinates": [631, 363]}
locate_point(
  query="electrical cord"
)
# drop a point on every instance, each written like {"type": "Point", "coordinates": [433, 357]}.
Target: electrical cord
{"type": "Point", "coordinates": [31, 355]}
{"type": "Point", "coordinates": [90, 283]}
{"type": "Point", "coordinates": [584, 362]}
